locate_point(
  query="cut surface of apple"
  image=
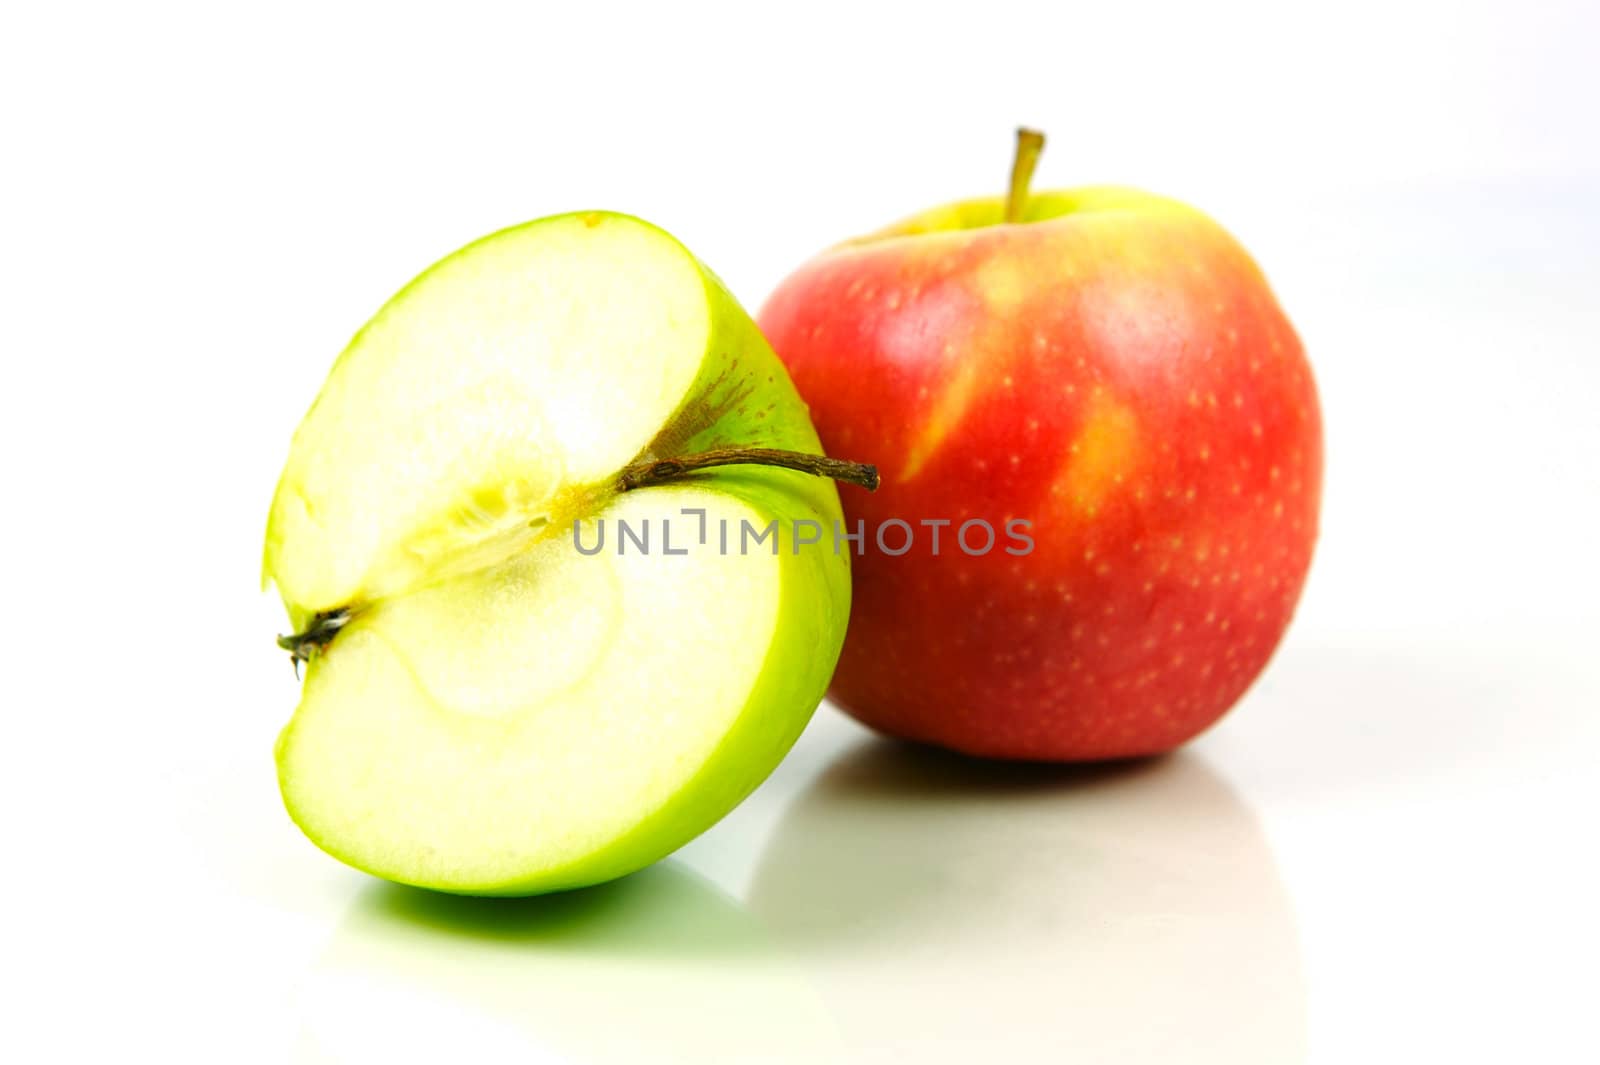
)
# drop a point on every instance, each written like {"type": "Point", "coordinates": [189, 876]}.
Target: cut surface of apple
{"type": "Point", "coordinates": [500, 712]}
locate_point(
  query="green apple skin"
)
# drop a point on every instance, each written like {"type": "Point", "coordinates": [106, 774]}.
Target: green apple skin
{"type": "Point", "coordinates": [739, 395]}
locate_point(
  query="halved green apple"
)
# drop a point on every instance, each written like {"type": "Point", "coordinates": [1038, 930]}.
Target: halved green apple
{"type": "Point", "coordinates": [488, 709]}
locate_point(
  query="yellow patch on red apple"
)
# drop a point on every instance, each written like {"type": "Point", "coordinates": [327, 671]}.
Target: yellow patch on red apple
{"type": "Point", "coordinates": [944, 414]}
{"type": "Point", "coordinates": [1101, 456]}
{"type": "Point", "coordinates": [1002, 284]}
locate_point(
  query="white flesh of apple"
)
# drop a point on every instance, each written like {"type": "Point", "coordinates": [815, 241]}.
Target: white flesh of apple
{"type": "Point", "coordinates": [539, 357]}
{"type": "Point", "coordinates": [502, 708]}
{"type": "Point", "coordinates": [544, 703]}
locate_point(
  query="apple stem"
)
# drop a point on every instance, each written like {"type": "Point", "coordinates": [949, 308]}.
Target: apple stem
{"type": "Point", "coordinates": [1030, 143]}
{"type": "Point", "coordinates": [325, 626]}
{"type": "Point", "coordinates": [655, 471]}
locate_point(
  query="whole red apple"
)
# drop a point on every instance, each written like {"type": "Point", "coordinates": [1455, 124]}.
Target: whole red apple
{"type": "Point", "coordinates": [1109, 366]}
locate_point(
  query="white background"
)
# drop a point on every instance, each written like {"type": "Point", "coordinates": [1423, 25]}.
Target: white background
{"type": "Point", "coordinates": [1387, 853]}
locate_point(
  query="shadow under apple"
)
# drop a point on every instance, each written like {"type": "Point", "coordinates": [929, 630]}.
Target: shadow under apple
{"type": "Point", "coordinates": [954, 908]}
{"type": "Point", "coordinates": [658, 966]}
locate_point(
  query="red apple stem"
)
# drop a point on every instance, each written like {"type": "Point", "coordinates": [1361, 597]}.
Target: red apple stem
{"type": "Point", "coordinates": [1030, 144]}
{"type": "Point", "coordinates": [656, 471]}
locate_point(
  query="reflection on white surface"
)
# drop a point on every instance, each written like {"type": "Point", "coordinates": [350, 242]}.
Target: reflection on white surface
{"type": "Point", "coordinates": [658, 967]}
{"type": "Point", "coordinates": [907, 905]}
{"type": "Point", "coordinates": [953, 910]}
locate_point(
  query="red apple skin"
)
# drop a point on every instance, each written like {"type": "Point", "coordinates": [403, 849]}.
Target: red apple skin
{"type": "Point", "coordinates": [1114, 370]}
